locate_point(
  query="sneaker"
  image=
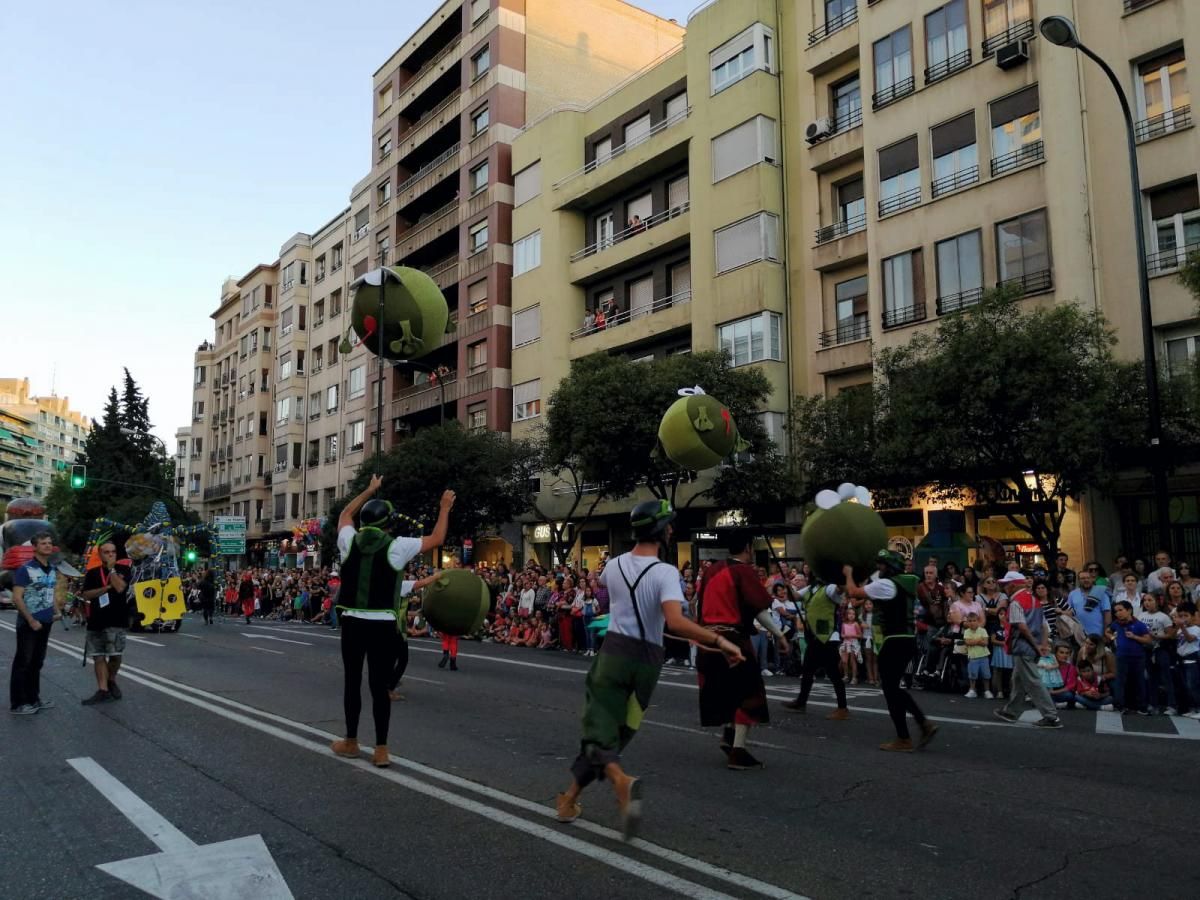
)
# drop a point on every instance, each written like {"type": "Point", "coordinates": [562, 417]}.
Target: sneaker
{"type": "Point", "coordinates": [381, 758]}
{"type": "Point", "coordinates": [1144, 712]}
{"type": "Point", "coordinates": [988, 695]}
{"type": "Point", "coordinates": [114, 690]}
{"type": "Point", "coordinates": [767, 673]}
{"type": "Point", "coordinates": [629, 802]}
{"type": "Point", "coordinates": [45, 704]}
{"type": "Point", "coordinates": [1107, 707]}
{"type": "Point", "coordinates": [1004, 715]}
{"type": "Point", "coordinates": [98, 697]}
{"type": "Point", "coordinates": [727, 740]}
{"type": "Point", "coordinates": [740, 760]}
{"type": "Point", "coordinates": [971, 695]}
{"type": "Point", "coordinates": [345, 747]}
{"type": "Point", "coordinates": [1170, 711]}
{"type": "Point", "coordinates": [568, 810]}
{"type": "Point", "coordinates": [841, 714]}
{"type": "Point", "coordinates": [1047, 722]}
{"type": "Point", "coordinates": [25, 709]}
{"type": "Point", "coordinates": [899, 745]}
{"type": "Point", "coordinates": [1062, 705]}
{"type": "Point", "coordinates": [794, 705]}
{"type": "Point", "coordinates": [1152, 710]}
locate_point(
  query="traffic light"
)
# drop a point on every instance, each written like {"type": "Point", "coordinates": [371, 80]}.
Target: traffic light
{"type": "Point", "coordinates": [190, 556]}
{"type": "Point", "coordinates": [78, 477]}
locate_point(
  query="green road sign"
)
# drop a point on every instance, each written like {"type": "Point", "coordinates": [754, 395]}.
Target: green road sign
{"type": "Point", "coordinates": [231, 535]}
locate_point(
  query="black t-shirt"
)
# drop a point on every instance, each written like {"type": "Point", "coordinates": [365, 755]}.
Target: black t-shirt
{"type": "Point", "coordinates": [116, 613]}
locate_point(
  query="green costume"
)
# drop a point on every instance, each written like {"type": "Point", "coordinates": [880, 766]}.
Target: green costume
{"type": "Point", "coordinates": [369, 583]}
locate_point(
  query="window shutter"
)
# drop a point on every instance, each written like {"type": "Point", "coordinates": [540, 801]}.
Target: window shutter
{"type": "Point", "coordinates": [637, 131]}
{"type": "Point", "coordinates": [678, 192]}
{"type": "Point", "coordinates": [527, 183]}
{"type": "Point", "coordinates": [736, 149]}
{"type": "Point", "coordinates": [642, 207]}
{"type": "Point", "coordinates": [526, 325]}
{"type": "Point", "coordinates": [901, 157]}
{"type": "Point", "coordinates": [641, 296]}
{"type": "Point", "coordinates": [918, 273]}
{"type": "Point", "coordinates": [477, 292]}
{"type": "Point", "coordinates": [1178, 198]}
{"type": "Point", "coordinates": [738, 244]}
{"type": "Point", "coordinates": [850, 191]}
{"type": "Point", "coordinates": [681, 279]}
{"type": "Point", "coordinates": [723, 54]}
{"type": "Point", "coordinates": [954, 135]}
{"type": "Point", "coordinates": [1170, 58]}
{"type": "Point", "coordinates": [1012, 107]}
{"type": "Point", "coordinates": [676, 106]}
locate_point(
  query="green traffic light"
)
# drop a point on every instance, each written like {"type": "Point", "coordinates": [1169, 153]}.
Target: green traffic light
{"type": "Point", "coordinates": [78, 476]}
{"type": "Point", "coordinates": [190, 556]}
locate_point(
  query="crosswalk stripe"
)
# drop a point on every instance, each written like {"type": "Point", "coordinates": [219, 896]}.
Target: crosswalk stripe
{"type": "Point", "coordinates": [1188, 728]}
{"type": "Point", "coordinates": [1109, 723]}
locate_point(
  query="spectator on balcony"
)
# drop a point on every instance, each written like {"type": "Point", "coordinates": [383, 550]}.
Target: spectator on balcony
{"type": "Point", "coordinates": [636, 225]}
{"type": "Point", "coordinates": [601, 319]}
{"type": "Point", "coordinates": [589, 320]}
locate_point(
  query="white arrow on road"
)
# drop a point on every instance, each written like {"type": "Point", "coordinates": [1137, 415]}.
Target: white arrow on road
{"type": "Point", "coordinates": [240, 869]}
{"type": "Point", "coordinates": [267, 637]}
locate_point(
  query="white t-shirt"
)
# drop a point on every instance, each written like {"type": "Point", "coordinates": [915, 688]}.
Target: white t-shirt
{"type": "Point", "coordinates": [1157, 622]}
{"type": "Point", "coordinates": [658, 587]}
{"type": "Point", "coordinates": [525, 604]}
{"type": "Point", "coordinates": [1188, 648]}
{"type": "Point", "coordinates": [878, 588]}
{"type": "Point", "coordinates": [399, 553]}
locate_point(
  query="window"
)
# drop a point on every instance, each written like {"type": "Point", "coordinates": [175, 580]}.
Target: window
{"type": "Point", "coordinates": [641, 207]}
{"type": "Point", "coordinates": [286, 321]}
{"type": "Point", "coordinates": [1163, 100]}
{"type": "Point", "coordinates": [899, 177]}
{"type": "Point", "coordinates": [479, 177]}
{"type": "Point", "coordinates": [747, 145]}
{"type": "Point", "coordinates": [383, 248]}
{"type": "Point", "coordinates": [385, 98]}
{"type": "Point", "coordinates": [850, 306]}
{"type": "Point", "coordinates": [955, 154]}
{"type": "Point", "coordinates": [477, 417]}
{"type": "Point", "coordinates": [331, 445]}
{"type": "Point", "coordinates": [676, 107]}
{"type": "Point", "coordinates": [1016, 130]}
{"type": "Point", "coordinates": [947, 48]}
{"type": "Point", "coordinates": [283, 410]}
{"type": "Point", "coordinates": [477, 237]}
{"type": "Point", "coordinates": [479, 9]}
{"type": "Point", "coordinates": [752, 339]}
{"type": "Point", "coordinates": [846, 104]}
{"type": "Point", "coordinates": [1001, 15]}
{"type": "Point", "coordinates": [481, 62]}
{"type": "Point", "coordinates": [201, 373]}
{"type": "Point", "coordinates": [355, 435]}
{"type": "Point", "coordinates": [385, 192]}
{"type": "Point", "coordinates": [851, 205]}
{"type": "Point", "coordinates": [318, 313]}
{"type": "Point", "coordinates": [362, 220]}
{"type": "Point", "coordinates": [959, 271]}
{"type": "Point", "coordinates": [1023, 251]}
{"type": "Point", "coordinates": [526, 326]}
{"type": "Point", "coordinates": [358, 382]}
{"type": "Point", "coordinates": [280, 507]}
{"type": "Point", "coordinates": [314, 405]}
{"type": "Point", "coordinates": [641, 296]}
{"type": "Point", "coordinates": [893, 67]}
{"type": "Point", "coordinates": [602, 150]}
{"type": "Point", "coordinates": [385, 146]}
{"type": "Point", "coordinates": [903, 289]}
{"type": "Point", "coordinates": [335, 304]}
{"type": "Point", "coordinates": [320, 274]}
{"type": "Point", "coordinates": [749, 51]}
{"type": "Point", "coordinates": [527, 400]}
{"type": "Point", "coordinates": [679, 278]}
{"type": "Point", "coordinates": [285, 365]}
{"type": "Point", "coordinates": [637, 131]}
{"type": "Point", "coordinates": [527, 183]}
{"type": "Point", "coordinates": [331, 352]}
{"type": "Point", "coordinates": [335, 258]}
{"type": "Point", "coordinates": [1180, 354]}
{"type": "Point", "coordinates": [1175, 212]}
{"type": "Point", "coordinates": [477, 296]}
{"type": "Point", "coordinates": [527, 253]}
{"type": "Point", "coordinates": [747, 241]}
{"type": "Point", "coordinates": [476, 357]}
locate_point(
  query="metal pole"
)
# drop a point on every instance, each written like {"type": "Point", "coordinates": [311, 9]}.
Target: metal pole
{"type": "Point", "coordinates": [1149, 353]}
{"type": "Point", "coordinates": [379, 337]}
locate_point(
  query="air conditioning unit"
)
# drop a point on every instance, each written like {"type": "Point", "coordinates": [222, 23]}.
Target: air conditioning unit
{"type": "Point", "coordinates": [818, 130]}
{"type": "Point", "coordinates": [1012, 55]}
{"type": "Point", "coordinates": [399, 425]}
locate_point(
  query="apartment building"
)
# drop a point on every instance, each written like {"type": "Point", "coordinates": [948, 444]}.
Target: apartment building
{"type": "Point", "coordinates": [936, 149]}
{"type": "Point", "coordinates": [183, 468]}
{"type": "Point", "coordinates": [18, 455]}
{"type": "Point", "coordinates": [660, 204]}
{"type": "Point", "coordinates": [58, 430]}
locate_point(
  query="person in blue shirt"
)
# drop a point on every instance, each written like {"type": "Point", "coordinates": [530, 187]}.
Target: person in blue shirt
{"type": "Point", "coordinates": [38, 594]}
{"type": "Point", "coordinates": [1132, 637]}
{"type": "Point", "coordinates": [1091, 604]}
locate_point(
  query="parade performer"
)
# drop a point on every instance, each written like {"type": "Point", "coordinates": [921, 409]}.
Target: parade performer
{"type": "Point", "coordinates": [449, 652]}
{"type": "Point", "coordinates": [821, 604]}
{"type": "Point", "coordinates": [894, 594]}
{"type": "Point", "coordinates": [246, 595]}
{"type": "Point", "coordinates": [371, 563]}
{"type": "Point", "coordinates": [644, 594]}
{"type": "Point", "coordinates": [401, 666]}
{"type": "Point", "coordinates": [734, 697]}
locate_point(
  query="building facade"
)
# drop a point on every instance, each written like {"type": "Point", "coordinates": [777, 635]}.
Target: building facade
{"type": "Point", "coordinates": [18, 456]}
{"type": "Point", "coordinates": [58, 430]}
{"type": "Point", "coordinates": [183, 467]}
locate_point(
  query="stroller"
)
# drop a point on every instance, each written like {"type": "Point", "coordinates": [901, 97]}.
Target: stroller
{"type": "Point", "coordinates": [937, 668]}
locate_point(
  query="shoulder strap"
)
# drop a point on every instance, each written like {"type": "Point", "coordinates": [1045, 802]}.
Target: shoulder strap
{"type": "Point", "coordinates": [633, 591]}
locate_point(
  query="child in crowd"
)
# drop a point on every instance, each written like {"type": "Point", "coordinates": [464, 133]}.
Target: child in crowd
{"type": "Point", "coordinates": [868, 624]}
{"type": "Point", "coordinates": [979, 669]}
{"type": "Point", "coordinates": [851, 649]}
{"type": "Point", "coordinates": [545, 637]}
{"type": "Point", "coordinates": [1187, 649]}
{"type": "Point", "coordinates": [1064, 697]}
{"type": "Point", "coordinates": [1132, 638]}
{"type": "Point", "coordinates": [1158, 654]}
{"type": "Point", "coordinates": [1090, 691]}
{"type": "Point", "coordinates": [1002, 662]}
{"type": "Point", "coordinates": [1051, 676]}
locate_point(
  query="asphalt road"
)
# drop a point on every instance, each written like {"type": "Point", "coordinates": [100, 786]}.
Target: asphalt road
{"type": "Point", "coordinates": [223, 734]}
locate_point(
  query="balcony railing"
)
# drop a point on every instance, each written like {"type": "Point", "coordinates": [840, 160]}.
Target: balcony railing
{"type": "Point", "coordinates": [616, 152]}
{"type": "Point", "coordinates": [646, 224]}
{"type": "Point", "coordinates": [841, 229]}
{"type": "Point", "coordinates": [848, 17]}
{"type": "Point", "coordinates": [425, 117]}
{"type": "Point", "coordinates": [954, 181]}
{"type": "Point", "coordinates": [217, 491]}
{"type": "Point", "coordinates": [894, 92]}
{"type": "Point", "coordinates": [1169, 260]}
{"type": "Point", "coordinates": [330, 458]}
{"type": "Point", "coordinates": [900, 201]}
{"type": "Point", "coordinates": [428, 67]}
{"type": "Point", "coordinates": [1022, 156]}
{"type": "Point", "coordinates": [428, 167]}
{"type": "Point", "coordinates": [627, 315]}
{"type": "Point", "coordinates": [903, 315]}
{"type": "Point", "coordinates": [850, 118]}
{"type": "Point", "coordinates": [361, 232]}
{"type": "Point", "coordinates": [1013, 33]}
{"type": "Point", "coordinates": [1156, 126]}
{"type": "Point", "coordinates": [948, 66]}
{"type": "Point", "coordinates": [1031, 282]}
{"type": "Point", "coordinates": [1135, 5]}
{"type": "Point", "coordinates": [847, 332]}
{"type": "Point", "coordinates": [953, 303]}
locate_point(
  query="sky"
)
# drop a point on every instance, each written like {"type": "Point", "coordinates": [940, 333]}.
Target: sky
{"type": "Point", "coordinates": [152, 148]}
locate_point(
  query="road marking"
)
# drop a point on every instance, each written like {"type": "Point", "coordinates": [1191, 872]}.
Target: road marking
{"type": "Point", "coordinates": [1109, 723]}
{"type": "Point", "coordinates": [408, 677]}
{"type": "Point", "coordinates": [1189, 728]}
{"type": "Point", "coordinates": [242, 867]}
{"type": "Point", "coordinates": [266, 650]}
{"type": "Point", "coordinates": [328, 637]}
{"type": "Point", "coordinates": [141, 640]}
{"type": "Point", "coordinates": [194, 637]}
{"type": "Point", "coordinates": [267, 637]}
{"type": "Point", "coordinates": [1029, 716]}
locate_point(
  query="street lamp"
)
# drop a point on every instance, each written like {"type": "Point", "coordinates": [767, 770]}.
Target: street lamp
{"type": "Point", "coordinates": [133, 432]}
{"type": "Point", "coordinates": [1060, 31]}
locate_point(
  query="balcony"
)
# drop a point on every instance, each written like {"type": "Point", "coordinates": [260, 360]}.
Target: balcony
{"type": "Point", "coordinates": [831, 26]}
{"type": "Point", "coordinates": [903, 315]}
{"type": "Point", "coordinates": [1167, 261]}
{"type": "Point", "coordinates": [1019, 158]}
{"type": "Point", "coordinates": [955, 181]}
{"type": "Point", "coordinates": [953, 303]}
{"type": "Point", "coordinates": [947, 67]}
{"type": "Point", "coordinates": [445, 272]}
{"type": "Point", "coordinates": [837, 230]}
{"type": "Point", "coordinates": [1017, 32]}
{"type": "Point", "coordinates": [1030, 283]}
{"type": "Point", "coordinates": [361, 232]}
{"type": "Point", "coordinates": [425, 395]}
{"type": "Point", "coordinates": [429, 228]}
{"type": "Point", "coordinates": [330, 458]}
{"type": "Point", "coordinates": [217, 492]}
{"type": "Point", "coordinates": [430, 123]}
{"type": "Point", "coordinates": [847, 332]}
{"type": "Point", "coordinates": [618, 152]}
{"type": "Point", "coordinates": [629, 315]}
{"type": "Point", "coordinates": [212, 457]}
{"type": "Point", "coordinates": [651, 222]}
{"type": "Point", "coordinates": [1175, 119]}
{"type": "Point", "coordinates": [431, 72]}
{"type": "Point", "coordinates": [428, 175]}
{"type": "Point", "coordinates": [848, 119]}
{"type": "Point", "coordinates": [897, 202]}
{"type": "Point", "coordinates": [893, 92]}
{"type": "Point", "coordinates": [662, 231]}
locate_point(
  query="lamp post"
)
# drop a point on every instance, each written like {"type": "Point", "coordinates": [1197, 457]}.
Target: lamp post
{"type": "Point", "coordinates": [379, 337]}
{"type": "Point", "coordinates": [1060, 31]}
{"type": "Point", "coordinates": [440, 381]}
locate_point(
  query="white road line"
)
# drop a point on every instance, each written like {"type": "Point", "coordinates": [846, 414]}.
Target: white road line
{"type": "Point", "coordinates": [328, 637]}
{"type": "Point", "coordinates": [408, 677]}
{"type": "Point", "coordinates": [1188, 728]}
{"type": "Point", "coordinates": [261, 650]}
{"type": "Point", "coordinates": [141, 640]}
{"type": "Point", "coordinates": [267, 637]}
{"type": "Point", "coordinates": [165, 836]}
{"type": "Point", "coordinates": [1109, 723]}
{"type": "Point", "coordinates": [1029, 716]}
{"type": "Point", "coordinates": [194, 637]}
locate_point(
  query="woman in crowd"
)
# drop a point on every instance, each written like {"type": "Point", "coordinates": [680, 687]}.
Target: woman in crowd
{"type": "Point", "coordinates": [1101, 661]}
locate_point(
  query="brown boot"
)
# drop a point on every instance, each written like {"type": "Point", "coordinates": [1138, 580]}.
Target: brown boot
{"type": "Point", "coordinates": [396, 695]}
{"type": "Point", "coordinates": [841, 714]}
{"type": "Point", "coordinates": [345, 747]}
{"type": "Point", "coordinates": [899, 745]}
{"type": "Point", "coordinates": [928, 730]}
{"type": "Point", "coordinates": [629, 801]}
{"type": "Point", "coordinates": [568, 809]}
{"type": "Point", "coordinates": [381, 757]}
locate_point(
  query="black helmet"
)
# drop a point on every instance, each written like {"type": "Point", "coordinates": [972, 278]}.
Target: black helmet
{"type": "Point", "coordinates": [891, 559]}
{"type": "Point", "coordinates": [650, 519]}
{"type": "Point", "coordinates": [375, 513]}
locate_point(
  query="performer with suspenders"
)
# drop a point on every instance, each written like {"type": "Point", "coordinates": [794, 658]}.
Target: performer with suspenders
{"type": "Point", "coordinates": [644, 595]}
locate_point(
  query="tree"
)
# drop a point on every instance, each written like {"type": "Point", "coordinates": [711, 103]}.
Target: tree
{"type": "Point", "coordinates": [478, 466]}
{"type": "Point", "coordinates": [1189, 275]}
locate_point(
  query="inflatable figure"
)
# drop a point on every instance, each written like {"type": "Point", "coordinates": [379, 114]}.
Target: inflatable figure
{"type": "Point", "coordinates": [697, 431]}
{"type": "Point", "coordinates": [415, 315]}
{"type": "Point", "coordinates": [456, 603]}
{"type": "Point", "coordinates": [24, 518]}
{"type": "Point", "coordinates": [843, 530]}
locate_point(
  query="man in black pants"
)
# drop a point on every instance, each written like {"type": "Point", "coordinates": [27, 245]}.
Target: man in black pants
{"type": "Point", "coordinates": [893, 594]}
{"type": "Point", "coordinates": [820, 605]}
{"type": "Point", "coordinates": [208, 596]}
{"type": "Point", "coordinates": [367, 604]}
